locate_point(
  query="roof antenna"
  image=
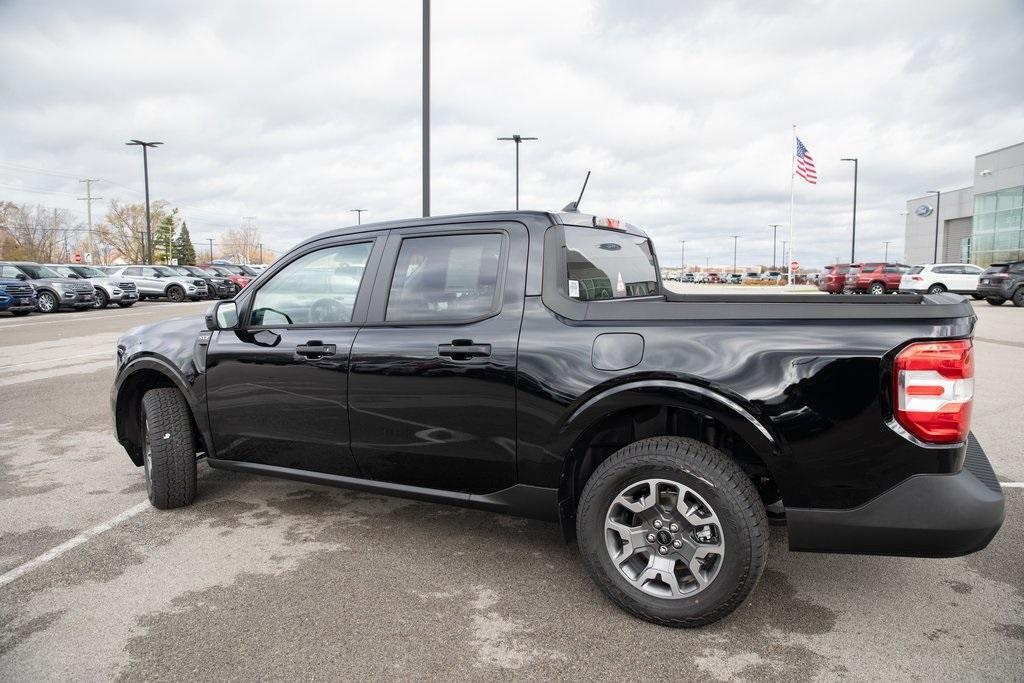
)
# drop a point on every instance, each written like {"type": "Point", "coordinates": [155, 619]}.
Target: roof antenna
{"type": "Point", "coordinates": [575, 206]}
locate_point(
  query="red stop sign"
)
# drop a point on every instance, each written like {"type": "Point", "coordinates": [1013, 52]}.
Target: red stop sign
{"type": "Point", "coordinates": [78, 257]}
{"type": "Point", "coordinates": [794, 266]}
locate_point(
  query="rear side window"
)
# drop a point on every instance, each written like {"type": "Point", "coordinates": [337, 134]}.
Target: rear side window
{"type": "Point", "coordinates": [915, 270]}
{"type": "Point", "coordinates": [602, 264]}
{"type": "Point", "coordinates": [997, 268]}
{"type": "Point", "coordinates": [445, 278]}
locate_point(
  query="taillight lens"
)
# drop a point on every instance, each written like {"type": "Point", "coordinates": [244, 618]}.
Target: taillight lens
{"type": "Point", "coordinates": [916, 278]}
{"type": "Point", "coordinates": [934, 390]}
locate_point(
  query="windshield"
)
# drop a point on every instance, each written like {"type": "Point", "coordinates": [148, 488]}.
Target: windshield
{"type": "Point", "coordinates": [248, 270]}
{"type": "Point", "coordinates": [88, 271]}
{"type": "Point", "coordinates": [35, 271]}
{"type": "Point", "coordinates": [181, 270]}
{"type": "Point", "coordinates": [196, 270]}
{"type": "Point", "coordinates": [165, 271]}
{"type": "Point", "coordinates": [602, 264]}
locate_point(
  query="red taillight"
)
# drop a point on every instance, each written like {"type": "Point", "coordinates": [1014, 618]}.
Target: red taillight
{"type": "Point", "coordinates": [916, 278]}
{"type": "Point", "coordinates": [934, 390]}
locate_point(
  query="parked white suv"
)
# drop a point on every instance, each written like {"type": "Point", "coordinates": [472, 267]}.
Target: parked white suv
{"type": "Point", "coordinates": [160, 281]}
{"type": "Point", "coordinates": [932, 278]}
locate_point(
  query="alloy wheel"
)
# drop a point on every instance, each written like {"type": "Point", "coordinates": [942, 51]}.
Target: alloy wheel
{"type": "Point", "coordinates": [47, 303]}
{"type": "Point", "coordinates": [664, 538]}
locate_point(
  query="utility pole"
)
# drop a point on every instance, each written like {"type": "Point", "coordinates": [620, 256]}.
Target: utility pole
{"type": "Point", "coordinates": [735, 242]}
{"type": "Point", "coordinates": [775, 233]}
{"type": "Point", "coordinates": [682, 258]}
{"type": "Point", "coordinates": [886, 259]}
{"type": "Point", "coordinates": [210, 240]}
{"type": "Point", "coordinates": [426, 108]}
{"type": "Point", "coordinates": [261, 253]}
{"type": "Point", "coordinates": [784, 243]}
{"type": "Point", "coordinates": [359, 215]}
{"type": "Point", "coordinates": [89, 199]}
{"type": "Point", "coordinates": [853, 239]}
{"type": "Point", "coordinates": [145, 170]}
{"type": "Point", "coordinates": [518, 139]}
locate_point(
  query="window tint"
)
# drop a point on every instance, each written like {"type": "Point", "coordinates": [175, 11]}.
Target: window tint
{"type": "Point", "coordinates": [915, 270]}
{"type": "Point", "coordinates": [9, 271]}
{"type": "Point", "coordinates": [318, 288]}
{"type": "Point", "coordinates": [133, 271]}
{"type": "Point", "coordinates": [446, 277]}
{"type": "Point", "coordinates": [972, 270]}
{"type": "Point", "coordinates": [603, 264]}
{"type": "Point", "coordinates": [1017, 268]}
{"type": "Point", "coordinates": [945, 270]}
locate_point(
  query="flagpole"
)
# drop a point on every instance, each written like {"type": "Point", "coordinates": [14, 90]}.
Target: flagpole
{"type": "Point", "coordinates": [792, 198]}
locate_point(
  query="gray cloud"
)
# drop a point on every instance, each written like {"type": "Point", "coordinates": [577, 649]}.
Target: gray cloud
{"type": "Point", "coordinates": [298, 112]}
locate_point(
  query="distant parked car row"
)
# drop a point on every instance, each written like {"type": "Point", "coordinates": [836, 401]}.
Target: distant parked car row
{"type": "Point", "coordinates": [26, 286]}
{"type": "Point", "coordinates": [999, 283]}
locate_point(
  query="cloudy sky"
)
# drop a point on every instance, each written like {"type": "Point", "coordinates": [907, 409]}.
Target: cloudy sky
{"type": "Point", "coordinates": [296, 112]}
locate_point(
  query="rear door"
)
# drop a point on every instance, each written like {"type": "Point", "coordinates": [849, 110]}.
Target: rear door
{"type": "Point", "coordinates": [432, 378]}
{"type": "Point", "coordinates": [277, 388]}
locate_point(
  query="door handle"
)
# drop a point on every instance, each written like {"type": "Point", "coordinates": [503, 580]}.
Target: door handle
{"type": "Point", "coordinates": [463, 349]}
{"type": "Point", "coordinates": [315, 349]}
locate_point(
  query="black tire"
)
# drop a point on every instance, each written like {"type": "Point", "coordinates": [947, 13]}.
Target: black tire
{"type": "Point", "coordinates": [176, 294]}
{"type": "Point", "coordinates": [47, 302]}
{"type": "Point", "coordinates": [936, 289]}
{"type": "Point", "coordinates": [726, 488]}
{"type": "Point", "coordinates": [169, 452]}
{"type": "Point", "coordinates": [977, 297]}
{"type": "Point", "coordinates": [125, 304]}
{"type": "Point", "coordinates": [876, 288]}
{"type": "Point", "coordinates": [995, 300]}
{"type": "Point", "coordinates": [102, 300]}
{"type": "Point", "coordinates": [20, 313]}
{"type": "Point", "coordinates": [1018, 298]}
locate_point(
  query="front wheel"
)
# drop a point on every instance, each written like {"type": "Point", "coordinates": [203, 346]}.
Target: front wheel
{"type": "Point", "coordinates": [102, 300]}
{"type": "Point", "coordinates": [47, 302]}
{"type": "Point", "coordinates": [995, 300]}
{"type": "Point", "coordinates": [672, 531]}
{"type": "Point", "coordinates": [168, 448]}
{"type": "Point", "coordinates": [176, 294]}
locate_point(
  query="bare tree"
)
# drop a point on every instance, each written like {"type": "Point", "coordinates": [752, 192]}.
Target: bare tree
{"type": "Point", "coordinates": [122, 234]}
{"type": "Point", "coordinates": [37, 233]}
{"type": "Point", "coordinates": [241, 244]}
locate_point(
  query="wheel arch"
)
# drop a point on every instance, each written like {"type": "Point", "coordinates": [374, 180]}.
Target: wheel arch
{"type": "Point", "coordinates": [630, 412]}
{"type": "Point", "coordinates": [131, 386]}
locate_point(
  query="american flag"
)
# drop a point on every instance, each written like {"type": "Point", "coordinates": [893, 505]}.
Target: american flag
{"type": "Point", "coordinates": [805, 164]}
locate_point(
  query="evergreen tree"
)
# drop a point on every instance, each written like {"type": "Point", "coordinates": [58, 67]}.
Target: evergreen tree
{"type": "Point", "coordinates": [183, 249]}
{"type": "Point", "coordinates": [163, 237]}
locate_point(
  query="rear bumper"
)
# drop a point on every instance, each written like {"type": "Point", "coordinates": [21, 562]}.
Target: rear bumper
{"type": "Point", "coordinates": [927, 515]}
{"type": "Point", "coordinates": [995, 291]}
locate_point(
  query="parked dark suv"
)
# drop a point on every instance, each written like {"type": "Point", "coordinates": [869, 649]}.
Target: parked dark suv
{"type": "Point", "coordinates": [1001, 282]}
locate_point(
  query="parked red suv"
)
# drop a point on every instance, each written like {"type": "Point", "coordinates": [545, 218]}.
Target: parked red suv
{"type": "Point", "coordinates": [875, 278]}
{"type": "Point", "coordinates": [235, 274]}
{"type": "Point", "coordinates": [833, 280]}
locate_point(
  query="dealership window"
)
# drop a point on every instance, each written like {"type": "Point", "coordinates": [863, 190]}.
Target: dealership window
{"type": "Point", "coordinates": [997, 227]}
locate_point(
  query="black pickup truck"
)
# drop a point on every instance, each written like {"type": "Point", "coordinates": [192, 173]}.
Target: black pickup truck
{"type": "Point", "coordinates": [531, 363]}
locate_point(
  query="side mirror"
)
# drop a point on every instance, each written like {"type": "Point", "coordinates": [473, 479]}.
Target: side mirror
{"type": "Point", "coordinates": [22, 277]}
{"type": "Point", "coordinates": [223, 315]}
{"type": "Point", "coordinates": [74, 276]}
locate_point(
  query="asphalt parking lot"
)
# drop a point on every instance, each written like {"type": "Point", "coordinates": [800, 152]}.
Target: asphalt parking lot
{"type": "Point", "coordinates": [265, 578]}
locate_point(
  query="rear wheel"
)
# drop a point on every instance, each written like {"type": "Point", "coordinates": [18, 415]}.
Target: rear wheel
{"type": "Point", "coordinates": [176, 294]}
{"type": "Point", "coordinates": [936, 289]}
{"type": "Point", "coordinates": [1018, 298]}
{"type": "Point", "coordinates": [995, 300]}
{"type": "Point", "coordinates": [47, 302]}
{"type": "Point", "coordinates": [672, 531]}
{"type": "Point", "coordinates": [169, 455]}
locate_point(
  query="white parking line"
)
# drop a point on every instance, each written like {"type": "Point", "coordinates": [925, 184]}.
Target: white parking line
{"type": "Point", "coordinates": [106, 315]}
{"type": "Point", "coordinates": [54, 553]}
{"type": "Point", "coordinates": [1012, 484]}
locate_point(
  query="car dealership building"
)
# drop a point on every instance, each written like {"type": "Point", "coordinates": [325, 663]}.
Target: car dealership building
{"type": "Point", "coordinates": [981, 224]}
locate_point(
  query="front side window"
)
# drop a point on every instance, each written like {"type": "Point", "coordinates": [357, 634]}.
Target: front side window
{"type": "Point", "coordinates": [37, 272]}
{"type": "Point", "coordinates": [445, 278]}
{"type": "Point", "coordinates": [602, 264]}
{"type": "Point", "coordinates": [318, 288]}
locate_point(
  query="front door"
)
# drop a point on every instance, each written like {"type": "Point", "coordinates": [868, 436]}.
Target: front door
{"type": "Point", "coordinates": [432, 378]}
{"type": "Point", "coordinates": [277, 387]}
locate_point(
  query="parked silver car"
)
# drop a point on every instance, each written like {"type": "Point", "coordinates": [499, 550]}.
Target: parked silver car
{"type": "Point", "coordinates": [155, 282]}
{"type": "Point", "coordinates": [109, 290]}
{"type": "Point", "coordinates": [53, 292]}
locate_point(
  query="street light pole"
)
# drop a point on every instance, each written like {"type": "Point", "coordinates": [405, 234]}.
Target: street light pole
{"type": "Point", "coordinates": [145, 171]}
{"type": "Point", "coordinates": [426, 108]}
{"type": "Point", "coordinates": [210, 240]}
{"type": "Point", "coordinates": [938, 204]}
{"type": "Point", "coordinates": [682, 258]}
{"type": "Point", "coordinates": [359, 215]}
{"type": "Point", "coordinates": [775, 233]}
{"type": "Point", "coordinates": [853, 239]}
{"type": "Point", "coordinates": [518, 139]}
{"type": "Point", "coordinates": [735, 242]}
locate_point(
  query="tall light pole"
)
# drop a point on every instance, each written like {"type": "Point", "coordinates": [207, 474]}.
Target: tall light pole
{"type": "Point", "coordinates": [886, 259]}
{"type": "Point", "coordinates": [775, 233]}
{"type": "Point", "coordinates": [426, 108]}
{"type": "Point", "coordinates": [735, 242]}
{"type": "Point", "coordinates": [359, 215]}
{"type": "Point", "coordinates": [682, 258]}
{"type": "Point", "coordinates": [938, 204]}
{"type": "Point", "coordinates": [853, 239]}
{"type": "Point", "coordinates": [518, 139]}
{"type": "Point", "coordinates": [145, 171]}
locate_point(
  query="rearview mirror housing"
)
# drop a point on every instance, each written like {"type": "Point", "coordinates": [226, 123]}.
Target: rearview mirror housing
{"type": "Point", "coordinates": [223, 315]}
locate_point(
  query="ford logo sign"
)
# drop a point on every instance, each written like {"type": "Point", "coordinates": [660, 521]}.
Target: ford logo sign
{"type": "Point", "coordinates": [923, 210]}
{"type": "Point", "coordinates": [610, 246]}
